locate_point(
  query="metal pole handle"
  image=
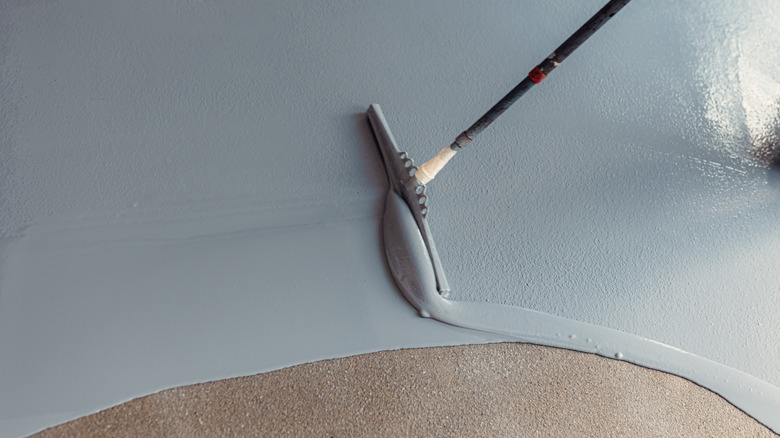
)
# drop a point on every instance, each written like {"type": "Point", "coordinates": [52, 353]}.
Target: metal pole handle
{"type": "Point", "coordinates": [541, 71]}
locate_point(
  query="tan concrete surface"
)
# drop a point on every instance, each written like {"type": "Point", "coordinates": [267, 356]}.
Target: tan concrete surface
{"type": "Point", "coordinates": [480, 390]}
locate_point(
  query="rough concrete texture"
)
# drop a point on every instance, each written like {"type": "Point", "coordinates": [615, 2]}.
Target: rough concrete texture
{"type": "Point", "coordinates": [483, 390]}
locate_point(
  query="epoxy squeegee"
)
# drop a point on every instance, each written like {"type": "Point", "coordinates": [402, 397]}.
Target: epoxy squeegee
{"type": "Point", "coordinates": [411, 253]}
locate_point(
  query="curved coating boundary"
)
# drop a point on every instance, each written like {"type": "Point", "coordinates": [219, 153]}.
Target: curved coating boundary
{"type": "Point", "coordinates": [755, 397]}
{"type": "Point", "coordinates": [414, 274]}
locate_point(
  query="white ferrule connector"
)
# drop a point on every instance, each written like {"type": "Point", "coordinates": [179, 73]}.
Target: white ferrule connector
{"type": "Point", "coordinates": [428, 171]}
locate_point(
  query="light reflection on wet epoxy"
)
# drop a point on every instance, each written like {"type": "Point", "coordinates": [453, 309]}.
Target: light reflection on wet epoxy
{"type": "Point", "coordinates": [738, 72]}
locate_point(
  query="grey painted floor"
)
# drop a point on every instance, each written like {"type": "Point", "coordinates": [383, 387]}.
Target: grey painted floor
{"type": "Point", "coordinates": [194, 184]}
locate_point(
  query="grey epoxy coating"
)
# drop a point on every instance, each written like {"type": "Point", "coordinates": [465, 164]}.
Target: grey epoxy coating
{"type": "Point", "coordinates": [181, 180]}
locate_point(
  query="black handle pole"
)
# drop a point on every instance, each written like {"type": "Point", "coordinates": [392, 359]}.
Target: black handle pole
{"type": "Point", "coordinates": [541, 71]}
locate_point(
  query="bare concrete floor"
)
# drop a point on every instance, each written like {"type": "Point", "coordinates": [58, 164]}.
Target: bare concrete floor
{"type": "Point", "coordinates": [479, 390]}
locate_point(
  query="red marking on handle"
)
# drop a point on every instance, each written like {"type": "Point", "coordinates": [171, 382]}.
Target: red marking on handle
{"type": "Point", "coordinates": [536, 75]}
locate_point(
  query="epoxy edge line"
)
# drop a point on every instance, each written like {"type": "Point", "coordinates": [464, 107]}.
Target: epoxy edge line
{"type": "Point", "coordinates": [755, 397]}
